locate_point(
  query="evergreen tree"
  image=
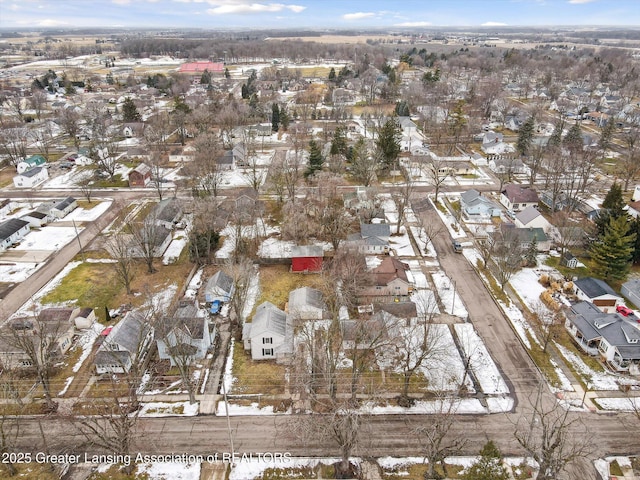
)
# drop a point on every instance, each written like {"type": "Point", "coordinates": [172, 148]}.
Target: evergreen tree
{"type": "Point", "coordinates": [530, 255]}
{"type": "Point", "coordinates": [339, 143]}
{"type": "Point", "coordinates": [634, 228]}
{"type": "Point", "coordinates": [606, 135]}
{"type": "Point", "coordinates": [205, 78]}
{"type": "Point", "coordinates": [285, 119]}
{"type": "Point", "coordinates": [573, 139]}
{"type": "Point", "coordinates": [402, 108]}
{"type": "Point", "coordinates": [612, 207]}
{"type": "Point", "coordinates": [556, 136]}
{"type": "Point", "coordinates": [227, 74]}
{"type": "Point", "coordinates": [130, 111]}
{"type": "Point", "coordinates": [332, 74]}
{"type": "Point", "coordinates": [525, 136]}
{"type": "Point", "coordinates": [388, 143]}
{"type": "Point", "coordinates": [613, 251]}
{"type": "Point", "coordinates": [489, 467]}
{"type": "Point", "coordinates": [275, 117]}
{"type": "Point", "coordinates": [315, 159]}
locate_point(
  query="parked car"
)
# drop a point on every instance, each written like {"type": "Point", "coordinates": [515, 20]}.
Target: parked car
{"type": "Point", "coordinates": [624, 310]}
{"type": "Point", "coordinates": [215, 307]}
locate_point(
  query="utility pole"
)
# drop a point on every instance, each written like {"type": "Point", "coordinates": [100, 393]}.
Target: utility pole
{"type": "Point", "coordinates": [78, 238]}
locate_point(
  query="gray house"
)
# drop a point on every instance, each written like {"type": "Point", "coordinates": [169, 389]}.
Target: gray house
{"type": "Point", "coordinates": [127, 342]}
{"type": "Point", "coordinates": [306, 303]}
{"type": "Point", "coordinates": [474, 204]}
{"type": "Point", "coordinates": [184, 340]}
{"type": "Point", "coordinates": [166, 213]}
{"type": "Point", "coordinates": [599, 293]}
{"type": "Point", "coordinates": [611, 336]}
{"type": "Point", "coordinates": [219, 287]}
{"type": "Point", "coordinates": [373, 238]}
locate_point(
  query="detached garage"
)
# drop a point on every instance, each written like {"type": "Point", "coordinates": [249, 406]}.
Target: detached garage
{"type": "Point", "coordinates": [306, 259]}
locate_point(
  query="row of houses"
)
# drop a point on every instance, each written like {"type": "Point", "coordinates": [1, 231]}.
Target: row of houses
{"type": "Point", "coordinates": [13, 230]}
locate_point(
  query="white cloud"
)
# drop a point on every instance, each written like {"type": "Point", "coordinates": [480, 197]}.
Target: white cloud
{"type": "Point", "coordinates": [493, 24]}
{"type": "Point", "coordinates": [51, 23]}
{"type": "Point", "coordinates": [358, 15]}
{"type": "Point", "coordinates": [234, 7]}
{"type": "Point", "coordinates": [577, 2]}
{"type": "Point", "coordinates": [121, 2]}
{"type": "Point", "coordinates": [413, 24]}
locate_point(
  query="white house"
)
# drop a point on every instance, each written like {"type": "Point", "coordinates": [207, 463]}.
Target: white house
{"type": "Point", "coordinates": [530, 217]}
{"type": "Point", "coordinates": [184, 340]}
{"type": "Point", "coordinates": [36, 219]}
{"type": "Point", "coordinates": [373, 238]}
{"type": "Point", "coordinates": [31, 162]}
{"type": "Point", "coordinates": [268, 336]}
{"type": "Point", "coordinates": [517, 198]}
{"type": "Point", "coordinates": [62, 208]}
{"type": "Point", "coordinates": [599, 293]}
{"type": "Point", "coordinates": [31, 178]}
{"type": "Point", "coordinates": [12, 231]}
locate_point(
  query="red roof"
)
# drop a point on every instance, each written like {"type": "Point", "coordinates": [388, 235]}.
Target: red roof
{"type": "Point", "coordinates": [106, 331]}
{"type": "Point", "coordinates": [198, 67]}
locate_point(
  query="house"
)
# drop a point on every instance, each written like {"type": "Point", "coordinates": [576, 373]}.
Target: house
{"type": "Point", "coordinates": [140, 176]}
{"type": "Point", "coordinates": [633, 209]}
{"type": "Point", "coordinates": [390, 281]}
{"type": "Point", "coordinates": [568, 260]}
{"type": "Point", "coordinates": [530, 217]}
{"type": "Point", "coordinates": [85, 318]}
{"type": "Point", "coordinates": [597, 292]}
{"type": "Point", "coordinates": [304, 304]}
{"type": "Point", "coordinates": [236, 157]}
{"type": "Point", "coordinates": [506, 165]}
{"type": "Point", "coordinates": [492, 144]}
{"type": "Point", "coordinates": [52, 326]}
{"type": "Point", "coordinates": [62, 208]}
{"type": "Point", "coordinates": [137, 153]}
{"type": "Point", "coordinates": [31, 162]}
{"type": "Point", "coordinates": [196, 69]}
{"type": "Point", "coordinates": [12, 231]}
{"type": "Point", "coordinates": [306, 258]}
{"type": "Point", "coordinates": [259, 130]}
{"type": "Point", "coordinates": [631, 290]}
{"type": "Point", "coordinates": [370, 334]}
{"type": "Point", "coordinates": [373, 238]}
{"type": "Point", "coordinates": [36, 219]}
{"type": "Point", "coordinates": [184, 340]}
{"type": "Point", "coordinates": [31, 178]}
{"type": "Point", "coordinates": [526, 236]}
{"type": "Point", "coordinates": [182, 154]}
{"type": "Point", "coordinates": [6, 206]}
{"type": "Point", "coordinates": [126, 343]}
{"type": "Point", "coordinates": [156, 238]}
{"type": "Point", "coordinates": [133, 129]}
{"type": "Point", "coordinates": [473, 203]}
{"type": "Point", "coordinates": [611, 336]}
{"type": "Point", "coordinates": [269, 335]}
{"type": "Point", "coordinates": [167, 213]}
{"type": "Point", "coordinates": [517, 198]}
{"type": "Point", "coordinates": [220, 287]}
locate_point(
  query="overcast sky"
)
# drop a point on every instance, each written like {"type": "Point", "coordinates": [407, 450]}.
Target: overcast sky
{"type": "Point", "coordinates": [314, 13]}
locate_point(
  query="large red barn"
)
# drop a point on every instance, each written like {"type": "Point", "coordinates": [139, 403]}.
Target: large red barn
{"type": "Point", "coordinates": [306, 258]}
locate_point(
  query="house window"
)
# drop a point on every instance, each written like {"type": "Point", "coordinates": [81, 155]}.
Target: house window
{"type": "Point", "coordinates": [267, 352]}
{"type": "Point", "coordinates": [267, 341]}
{"type": "Point", "coordinates": [516, 205]}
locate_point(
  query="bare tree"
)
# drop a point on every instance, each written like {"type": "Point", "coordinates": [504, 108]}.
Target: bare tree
{"type": "Point", "coordinates": [112, 426]}
{"type": "Point", "coordinates": [629, 166]}
{"type": "Point", "coordinates": [157, 179]}
{"type": "Point", "coordinates": [428, 232]}
{"type": "Point", "coordinates": [38, 101]}
{"type": "Point", "coordinates": [552, 436]}
{"type": "Point", "coordinates": [402, 196]}
{"type": "Point", "coordinates": [69, 118]}
{"type": "Point", "coordinates": [507, 254]}
{"type": "Point", "coordinates": [436, 440]}
{"type": "Point", "coordinates": [147, 236]}
{"type": "Point", "coordinates": [364, 164]}
{"type": "Point", "coordinates": [437, 172]}
{"type": "Point", "coordinates": [241, 271]}
{"type": "Point", "coordinates": [119, 248]}
{"type": "Point", "coordinates": [14, 141]}
{"type": "Point", "coordinates": [86, 186]}
{"type": "Point", "coordinates": [204, 171]}
{"type": "Point", "coordinates": [40, 339]}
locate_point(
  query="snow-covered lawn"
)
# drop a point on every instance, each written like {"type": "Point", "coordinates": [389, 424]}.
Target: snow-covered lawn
{"type": "Point", "coordinates": [166, 409]}
{"type": "Point", "coordinates": [18, 272]}
{"type": "Point", "coordinates": [445, 371]}
{"type": "Point", "coordinates": [49, 238]}
{"type": "Point", "coordinates": [169, 471]}
{"type": "Point", "coordinates": [483, 367]}
{"type": "Point", "coordinates": [631, 404]}
{"type": "Point", "coordinates": [86, 342]}
{"type": "Point", "coordinates": [81, 214]}
{"type": "Point", "coordinates": [449, 221]}
{"type": "Point", "coordinates": [68, 179]}
{"type": "Point", "coordinates": [253, 409]}
{"type": "Point", "coordinates": [401, 244]}
{"type": "Point", "coordinates": [174, 249]}
{"type": "Point", "coordinates": [594, 380]}
{"type": "Point", "coordinates": [420, 236]}
{"type": "Point", "coordinates": [228, 379]}
{"type": "Point", "coordinates": [525, 282]}
{"type": "Point", "coordinates": [448, 296]}
{"type": "Point", "coordinates": [194, 284]}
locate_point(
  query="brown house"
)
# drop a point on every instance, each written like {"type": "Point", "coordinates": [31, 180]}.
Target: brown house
{"type": "Point", "coordinates": [390, 282]}
{"type": "Point", "coordinates": [140, 176]}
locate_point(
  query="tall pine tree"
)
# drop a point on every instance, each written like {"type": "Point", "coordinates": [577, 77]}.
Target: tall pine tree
{"type": "Point", "coordinates": [315, 159]}
{"type": "Point", "coordinates": [613, 251]}
{"type": "Point", "coordinates": [388, 143]}
{"type": "Point", "coordinates": [130, 111]}
{"type": "Point", "coordinates": [525, 136]}
{"type": "Point", "coordinates": [612, 207]}
{"type": "Point", "coordinates": [275, 117]}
